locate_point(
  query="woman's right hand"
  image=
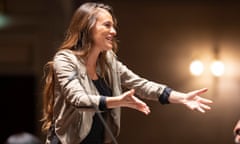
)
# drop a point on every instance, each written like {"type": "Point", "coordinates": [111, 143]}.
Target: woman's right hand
{"type": "Point", "coordinates": [127, 99]}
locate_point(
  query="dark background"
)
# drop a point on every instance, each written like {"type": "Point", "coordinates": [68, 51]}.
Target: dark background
{"type": "Point", "coordinates": [17, 104]}
{"type": "Point", "coordinates": [158, 40]}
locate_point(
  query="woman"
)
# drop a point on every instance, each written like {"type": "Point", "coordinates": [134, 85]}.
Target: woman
{"type": "Point", "coordinates": [85, 82]}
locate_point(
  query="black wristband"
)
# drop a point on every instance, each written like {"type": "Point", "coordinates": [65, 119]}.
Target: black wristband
{"type": "Point", "coordinates": [163, 98]}
{"type": "Point", "coordinates": [102, 103]}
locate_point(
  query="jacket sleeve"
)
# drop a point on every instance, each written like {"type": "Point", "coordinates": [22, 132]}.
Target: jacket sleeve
{"type": "Point", "coordinates": [66, 76]}
{"type": "Point", "coordinates": [143, 87]}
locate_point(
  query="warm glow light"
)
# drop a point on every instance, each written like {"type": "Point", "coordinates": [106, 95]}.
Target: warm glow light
{"type": "Point", "coordinates": [217, 68]}
{"type": "Point", "coordinates": [196, 67]}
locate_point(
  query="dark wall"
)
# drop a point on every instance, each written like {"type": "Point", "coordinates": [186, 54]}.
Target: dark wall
{"type": "Point", "coordinates": [158, 40]}
{"type": "Point", "coordinates": [17, 105]}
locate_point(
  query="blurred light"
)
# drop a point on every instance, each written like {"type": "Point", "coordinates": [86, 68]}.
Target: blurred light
{"type": "Point", "coordinates": [196, 67]}
{"type": "Point", "coordinates": [4, 21]}
{"type": "Point", "coordinates": [217, 68]}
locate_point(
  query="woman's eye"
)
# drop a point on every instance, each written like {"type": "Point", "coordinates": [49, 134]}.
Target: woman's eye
{"type": "Point", "coordinates": [108, 25]}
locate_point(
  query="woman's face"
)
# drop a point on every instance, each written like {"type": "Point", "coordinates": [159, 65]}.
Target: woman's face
{"type": "Point", "coordinates": [103, 31]}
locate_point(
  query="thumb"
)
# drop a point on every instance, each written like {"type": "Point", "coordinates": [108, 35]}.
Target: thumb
{"type": "Point", "coordinates": [130, 92]}
{"type": "Point", "coordinates": [197, 92]}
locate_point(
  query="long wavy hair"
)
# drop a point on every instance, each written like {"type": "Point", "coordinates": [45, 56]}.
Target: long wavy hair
{"type": "Point", "coordinates": [79, 39]}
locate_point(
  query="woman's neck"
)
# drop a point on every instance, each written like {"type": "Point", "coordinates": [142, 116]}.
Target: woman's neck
{"type": "Point", "coordinates": [91, 64]}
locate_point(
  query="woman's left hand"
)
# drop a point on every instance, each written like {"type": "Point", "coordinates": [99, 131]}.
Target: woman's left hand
{"type": "Point", "coordinates": [192, 100]}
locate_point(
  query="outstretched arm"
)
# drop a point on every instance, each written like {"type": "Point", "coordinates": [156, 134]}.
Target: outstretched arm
{"type": "Point", "coordinates": [192, 100]}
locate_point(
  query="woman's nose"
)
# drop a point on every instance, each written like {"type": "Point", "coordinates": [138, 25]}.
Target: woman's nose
{"type": "Point", "coordinates": [113, 31]}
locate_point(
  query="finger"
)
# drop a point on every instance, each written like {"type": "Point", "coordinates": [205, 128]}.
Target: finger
{"type": "Point", "coordinates": [140, 105]}
{"type": "Point", "coordinates": [204, 100]}
{"type": "Point", "coordinates": [145, 110]}
{"type": "Point", "coordinates": [195, 93]}
{"type": "Point", "coordinates": [200, 91]}
{"type": "Point", "coordinates": [200, 109]}
{"type": "Point", "coordinates": [205, 106]}
{"type": "Point", "coordinates": [138, 100]}
{"type": "Point", "coordinates": [130, 92]}
{"type": "Point", "coordinates": [142, 108]}
{"type": "Point", "coordinates": [197, 108]}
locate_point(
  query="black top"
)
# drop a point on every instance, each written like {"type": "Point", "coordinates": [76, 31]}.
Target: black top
{"type": "Point", "coordinates": [96, 134]}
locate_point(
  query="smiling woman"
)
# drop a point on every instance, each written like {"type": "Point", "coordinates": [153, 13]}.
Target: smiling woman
{"type": "Point", "coordinates": [104, 31]}
{"type": "Point", "coordinates": [84, 83]}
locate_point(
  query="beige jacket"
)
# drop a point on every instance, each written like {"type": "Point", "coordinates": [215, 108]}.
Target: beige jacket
{"type": "Point", "coordinates": [73, 110]}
